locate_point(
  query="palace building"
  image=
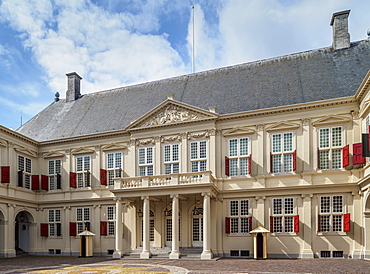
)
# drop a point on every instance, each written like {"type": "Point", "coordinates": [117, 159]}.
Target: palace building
{"type": "Point", "coordinates": [191, 165]}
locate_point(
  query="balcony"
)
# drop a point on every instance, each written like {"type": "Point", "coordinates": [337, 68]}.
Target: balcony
{"type": "Point", "coordinates": [192, 178]}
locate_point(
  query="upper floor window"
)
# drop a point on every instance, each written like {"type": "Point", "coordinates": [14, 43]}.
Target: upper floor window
{"type": "Point", "coordinates": [332, 217]}
{"type": "Point", "coordinates": [239, 161]}
{"type": "Point", "coordinates": [111, 217]}
{"type": "Point", "coordinates": [83, 166]}
{"type": "Point", "coordinates": [283, 218]}
{"type": "Point", "coordinates": [198, 156]}
{"type": "Point", "coordinates": [54, 170]}
{"type": "Point", "coordinates": [146, 161]}
{"type": "Point", "coordinates": [114, 166]}
{"type": "Point", "coordinates": [24, 172]}
{"type": "Point", "coordinates": [240, 217]}
{"type": "Point", "coordinates": [83, 219]}
{"type": "Point", "coordinates": [55, 225]}
{"type": "Point", "coordinates": [330, 147]}
{"type": "Point", "coordinates": [282, 152]}
{"type": "Point", "coordinates": [171, 159]}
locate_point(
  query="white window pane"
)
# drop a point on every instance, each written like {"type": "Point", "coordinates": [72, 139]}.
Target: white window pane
{"type": "Point", "coordinates": [233, 147]}
{"type": "Point", "coordinates": [288, 162]}
{"type": "Point", "coordinates": [324, 159]}
{"type": "Point", "coordinates": [325, 204]}
{"type": "Point", "coordinates": [234, 208]}
{"type": "Point", "coordinates": [51, 167]}
{"type": "Point", "coordinates": [277, 206]}
{"type": "Point", "coordinates": [149, 156]}
{"type": "Point", "coordinates": [118, 160]}
{"type": "Point", "coordinates": [288, 142]}
{"type": "Point", "coordinates": [79, 163]}
{"type": "Point", "coordinates": [194, 150]}
{"type": "Point", "coordinates": [234, 225]}
{"type": "Point", "coordinates": [324, 138]}
{"type": "Point", "coordinates": [278, 224]}
{"type": "Point", "coordinates": [337, 204]}
{"type": "Point", "coordinates": [202, 149]}
{"type": "Point", "coordinates": [233, 167]}
{"type": "Point", "coordinates": [175, 152]}
{"type": "Point", "coordinates": [167, 153]}
{"type": "Point", "coordinates": [337, 136]}
{"type": "Point", "coordinates": [141, 156]}
{"type": "Point", "coordinates": [244, 225]}
{"type": "Point", "coordinates": [243, 166]}
{"type": "Point", "coordinates": [110, 160]}
{"type": "Point", "coordinates": [337, 158]}
{"type": "Point", "coordinates": [276, 143]}
{"type": "Point", "coordinates": [288, 205]}
{"type": "Point", "coordinates": [276, 163]}
{"type": "Point", "coordinates": [243, 147]}
{"type": "Point", "coordinates": [337, 223]}
{"type": "Point", "coordinates": [288, 224]}
{"type": "Point", "coordinates": [244, 207]}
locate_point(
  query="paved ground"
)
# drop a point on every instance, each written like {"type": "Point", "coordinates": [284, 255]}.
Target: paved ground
{"type": "Point", "coordinates": [74, 265]}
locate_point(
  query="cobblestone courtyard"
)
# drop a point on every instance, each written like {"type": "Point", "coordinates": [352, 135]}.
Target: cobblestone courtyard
{"type": "Point", "coordinates": [51, 264]}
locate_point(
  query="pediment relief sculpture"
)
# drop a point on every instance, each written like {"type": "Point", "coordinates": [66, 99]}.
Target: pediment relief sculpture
{"type": "Point", "coordinates": [51, 154]}
{"type": "Point", "coordinates": [172, 114]}
{"type": "Point", "coordinates": [26, 151]}
{"type": "Point", "coordinates": [238, 131]}
{"type": "Point", "coordinates": [114, 146]}
{"type": "Point", "coordinates": [82, 150]}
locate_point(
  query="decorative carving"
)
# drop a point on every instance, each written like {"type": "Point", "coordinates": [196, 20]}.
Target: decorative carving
{"type": "Point", "coordinates": [3, 143]}
{"type": "Point", "coordinates": [204, 134]}
{"type": "Point", "coordinates": [260, 127]}
{"type": "Point", "coordinates": [173, 114]}
{"type": "Point", "coordinates": [306, 121]}
{"type": "Point", "coordinates": [145, 142]}
{"type": "Point", "coordinates": [184, 135]}
{"type": "Point", "coordinates": [132, 142]}
{"type": "Point", "coordinates": [171, 138]}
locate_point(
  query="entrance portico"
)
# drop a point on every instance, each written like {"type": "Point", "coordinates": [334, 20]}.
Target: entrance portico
{"type": "Point", "coordinates": [184, 201]}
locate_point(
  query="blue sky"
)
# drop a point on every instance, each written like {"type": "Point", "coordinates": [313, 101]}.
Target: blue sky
{"type": "Point", "coordinates": [113, 43]}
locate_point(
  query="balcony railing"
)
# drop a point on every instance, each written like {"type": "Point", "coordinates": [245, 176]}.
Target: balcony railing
{"type": "Point", "coordinates": [164, 180]}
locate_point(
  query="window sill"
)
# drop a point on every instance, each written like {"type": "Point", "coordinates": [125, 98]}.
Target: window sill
{"type": "Point", "coordinates": [284, 234]}
{"type": "Point", "coordinates": [330, 233]}
{"type": "Point", "coordinates": [238, 234]}
{"type": "Point", "coordinates": [55, 237]}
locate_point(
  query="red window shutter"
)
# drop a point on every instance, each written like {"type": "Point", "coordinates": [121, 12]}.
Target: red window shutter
{"type": "Point", "coordinates": [296, 223]}
{"type": "Point", "coordinates": [250, 164]}
{"type": "Point", "coordinates": [368, 137]}
{"type": "Point", "coordinates": [35, 182]}
{"type": "Point", "coordinates": [44, 182]}
{"type": "Point", "coordinates": [103, 177]}
{"type": "Point", "coordinates": [103, 228]}
{"type": "Point", "coordinates": [294, 160]}
{"type": "Point", "coordinates": [72, 229]}
{"type": "Point", "coordinates": [5, 174]}
{"type": "Point", "coordinates": [44, 230]}
{"type": "Point", "coordinates": [227, 166]}
{"type": "Point", "coordinates": [250, 223]}
{"type": "Point", "coordinates": [73, 179]}
{"type": "Point", "coordinates": [357, 155]}
{"type": "Point", "coordinates": [227, 225]}
{"type": "Point", "coordinates": [347, 222]}
{"type": "Point", "coordinates": [271, 224]}
{"type": "Point", "coordinates": [319, 223]}
{"type": "Point", "coordinates": [345, 156]}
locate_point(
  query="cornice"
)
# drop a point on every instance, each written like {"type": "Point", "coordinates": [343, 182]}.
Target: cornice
{"type": "Point", "coordinates": [288, 108]}
{"type": "Point", "coordinates": [18, 135]}
{"type": "Point", "coordinates": [363, 88]}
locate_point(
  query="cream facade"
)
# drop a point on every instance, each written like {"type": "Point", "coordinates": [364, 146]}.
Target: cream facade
{"type": "Point", "coordinates": [182, 180]}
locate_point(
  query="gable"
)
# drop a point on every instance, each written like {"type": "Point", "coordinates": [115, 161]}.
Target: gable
{"type": "Point", "coordinates": [331, 119]}
{"type": "Point", "coordinates": [171, 112]}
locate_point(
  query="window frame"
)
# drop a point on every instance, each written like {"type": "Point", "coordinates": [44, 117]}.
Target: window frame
{"type": "Point", "coordinates": [26, 169]}
{"type": "Point", "coordinates": [198, 163]}
{"type": "Point", "coordinates": [54, 222]}
{"type": "Point", "coordinates": [148, 164]}
{"type": "Point", "coordinates": [83, 176]}
{"type": "Point", "coordinates": [172, 162]}
{"type": "Point", "coordinates": [84, 221]}
{"type": "Point", "coordinates": [116, 169]}
{"type": "Point", "coordinates": [282, 153]}
{"type": "Point", "coordinates": [239, 223]}
{"type": "Point", "coordinates": [52, 176]}
{"type": "Point", "coordinates": [111, 220]}
{"type": "Point", "coordinates": [286, 223]}
{"type": "Point", "coordinates": [235, 170]}
{"type": "Point", "coordinates": [330, 215]}
{"type": "Point", "coordinates": [326, 162]}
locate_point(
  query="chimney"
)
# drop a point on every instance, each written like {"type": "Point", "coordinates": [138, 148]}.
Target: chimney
{"type": "Point", "coordinates": [339, 21]}
{"type": "Point", "coordinates": [73, 92]}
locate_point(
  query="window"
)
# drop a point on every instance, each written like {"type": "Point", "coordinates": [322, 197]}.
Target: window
{"type": "Point", "coordinates": [198, 156]}
{"type": "Point", "coordinates": [171, 159]}
{"type": "Point", "coordinates": [282, 152]}
{"type": "Point", "coordinates": [55, 225]}
{"type": "Point", "coordinates": [54, 169]}
{"type": "Point", "coordinates": [114, 166]}
{"type": "Point", "coordinates": [24, 172]}
{"type": "Point", "coordinates": [111, 217]}
{"type": "Point", "coordinates": [239, 157]}
{"type": "Point", "coordinates": [330, 147]}
{"type": "Point", "coordinates": [83, 219]}
{"type": "Point", "coordinates": [331, 218]}
{"type": "Point", "coordinates": [240, 218]}
{"type": "Point", "coordinates": [83, 171]}
{"type": "Point", "coordinates": [283, 219]}
{"type": "Point", "coordinates": [146, 161]}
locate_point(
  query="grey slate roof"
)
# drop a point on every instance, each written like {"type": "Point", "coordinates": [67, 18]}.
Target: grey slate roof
{"type": "Point", "coordinates": [298, 78]}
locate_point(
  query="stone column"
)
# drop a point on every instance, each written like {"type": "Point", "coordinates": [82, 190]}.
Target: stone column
{"type": "Point", "coordinates": [207, 253]}
{"type": "Point", "coordinates": [145, 254]}
{"type": "Point", "coordinates": [66, 238]}
{"type": "Point", "coordinates": [307, 228]}
{"type": "Point", "coordinates": [10, 235]}
{"type": "Point", "coordinates": [357, 226]}
{"type": "Point", "coordinates": [175, 253]}
{"type": "Point", "coordinates": [119, 228]}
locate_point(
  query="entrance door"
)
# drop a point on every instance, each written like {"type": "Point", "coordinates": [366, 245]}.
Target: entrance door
{"type": "Point", "coordinates": [151, 231]}
{"type": "Point", "coordinates": [22, 227]}
{"type": "Point", "coordinates": [198, 231]}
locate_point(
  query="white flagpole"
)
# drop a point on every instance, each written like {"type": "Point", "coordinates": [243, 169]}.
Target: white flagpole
{"type": "Point", "coordinates": [193, 59]}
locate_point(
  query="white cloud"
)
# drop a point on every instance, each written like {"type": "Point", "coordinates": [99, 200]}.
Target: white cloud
{"type": "Point", "coordinates": [30, 108]}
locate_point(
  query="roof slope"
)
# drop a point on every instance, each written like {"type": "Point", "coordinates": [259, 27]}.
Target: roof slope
{"type": "Point", "coordinates": [292, 79]}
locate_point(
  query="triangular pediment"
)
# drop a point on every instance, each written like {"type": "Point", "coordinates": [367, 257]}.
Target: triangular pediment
{"type": "Point", "coordinates": [82, 150]}
{"type": "Point", "coordinates": [331, 119]}
{"type": "Point", "coordinates": [26, 151]}
{"type": "Point", "coordinates": [53, 154]}
{"type": "Point", "coordinates": [171, 112]}
{"type": "Point", "coordinates": [113, 146]}
{"type": "Point", "coordinates": [238, 131]}
{"type": "Point", "coordinates": [283, 126]}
